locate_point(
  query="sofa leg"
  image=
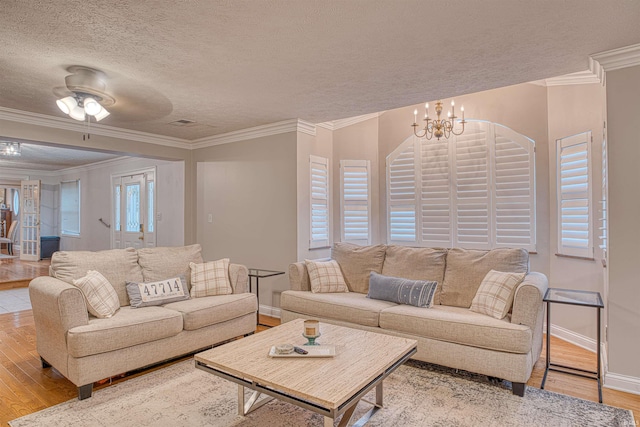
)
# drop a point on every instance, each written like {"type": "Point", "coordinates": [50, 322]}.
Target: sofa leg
{"type": "Point", "coordinates": [44, 363]}
{"type": "Point", "coordinates": [84, 391]}
{"type": "Point", "coordinates": [250, 333]}
{"type": "Point", "coordinates": [518, 389]}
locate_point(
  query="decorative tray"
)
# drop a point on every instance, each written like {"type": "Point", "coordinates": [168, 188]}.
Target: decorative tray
{"type": "Point", "coordinates": [314, 351]}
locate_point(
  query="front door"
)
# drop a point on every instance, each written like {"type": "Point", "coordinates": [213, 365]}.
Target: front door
{"type": "Point", "coordinates": [30, 220]}
{"type": "Point", "coordinates": [133, 211]}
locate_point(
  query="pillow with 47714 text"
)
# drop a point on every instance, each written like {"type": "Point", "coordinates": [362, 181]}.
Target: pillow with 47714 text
{"type": "Point", "coordinates": [157, 293]}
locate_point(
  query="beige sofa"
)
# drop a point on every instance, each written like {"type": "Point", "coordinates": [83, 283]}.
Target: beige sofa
{"type": "Point", "coordinates": [448, 333]}
{"type": "Point", "coordinates": [86, 349]}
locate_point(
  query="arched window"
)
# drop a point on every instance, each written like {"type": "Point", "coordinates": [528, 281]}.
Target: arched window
{"type": "Point", "coordinates": [476, 190]}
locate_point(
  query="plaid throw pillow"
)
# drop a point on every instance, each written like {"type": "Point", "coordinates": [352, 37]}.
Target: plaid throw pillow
{"type": "Point", "coordinates": [210, 278]}
{"type": "Point", "coordinates": [102, 299]}
{"type": "Point", "coordinates": [495, 294]}
{"type": "Point", "coordinates": [325, 276]}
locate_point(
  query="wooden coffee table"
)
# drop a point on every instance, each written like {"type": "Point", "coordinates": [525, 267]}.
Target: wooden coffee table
{"type": "Point", "coordinates": [329, 386]}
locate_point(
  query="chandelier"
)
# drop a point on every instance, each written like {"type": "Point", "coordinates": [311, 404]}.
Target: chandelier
{"type": "Point", "coordinates": [9, 148]}
{"type": "Point", "coordinates": [438, 127]}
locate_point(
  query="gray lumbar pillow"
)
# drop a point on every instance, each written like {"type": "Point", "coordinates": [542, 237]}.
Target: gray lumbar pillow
{"type": "Point", "coordinates": [158, 293]}
{"type": "Point", "coordinates": [402, 291]}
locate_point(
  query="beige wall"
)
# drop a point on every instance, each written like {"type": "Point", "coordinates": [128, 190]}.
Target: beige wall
{"type": "Point", "coordinates": [623, 132]}
{"type": "Point", "coordinates": [522, 108]}
{"type": "Point", "coordinates": [357, 142]}
{"type": "Point", "coordinates": [249, 188]}
{"type": "Point", "coordinates": [575, 109]}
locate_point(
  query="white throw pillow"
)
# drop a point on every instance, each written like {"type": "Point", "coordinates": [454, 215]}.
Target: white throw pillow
{"type": "Point", "coordinates": [325, 276]}
{"type": "Point", "coordinates": [495, 294]}
{"type": "Point", "coordinates": [210, 278]}
{"type": "Point", "coordinates": [101, 297]}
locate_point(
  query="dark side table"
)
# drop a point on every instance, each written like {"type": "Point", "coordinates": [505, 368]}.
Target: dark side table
{"type": "Point", "coordinates": [259, 273]}
{"type": "Point", "coordinates": [573, 297]}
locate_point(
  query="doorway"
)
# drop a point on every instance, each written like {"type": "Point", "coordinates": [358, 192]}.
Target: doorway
{"type": "Point", "coordinates": [133, 207]}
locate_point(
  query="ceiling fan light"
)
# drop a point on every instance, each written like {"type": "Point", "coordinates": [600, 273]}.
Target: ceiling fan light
{"type": "Point", "coordinates": [101, 115]}
{"type": "Point", "coordinates": [67, 104]}
{"type": "Point", "coordinates": [91, 106]}
{"type": "Point", "coordinates": [77, 113]}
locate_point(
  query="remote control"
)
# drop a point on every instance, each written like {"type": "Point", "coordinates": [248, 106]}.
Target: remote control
{"type": "Point", "coordinates": [300, 350]}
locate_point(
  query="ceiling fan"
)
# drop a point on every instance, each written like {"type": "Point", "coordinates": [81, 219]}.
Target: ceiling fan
{"type": "Point", "coordinates": [84, 95]}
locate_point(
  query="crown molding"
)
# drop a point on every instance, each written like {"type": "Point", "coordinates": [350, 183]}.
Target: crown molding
{"type": "Point", "coordinates": [306, 127]}
{"type": "Point", "coordinates": [27, 117]}
{"type": "Point", "coordinates": [277, 128]}
{"type": "Point", "coordinates": [326, 125]}
{"type": "Point", "coordinates": [96, 165]}
{"type": "Point", "coordinates": [628, 56]}
{"type": "Point", "coordinates": [579, 78]}
{"type": "Point", "coordinates": [343, 123]}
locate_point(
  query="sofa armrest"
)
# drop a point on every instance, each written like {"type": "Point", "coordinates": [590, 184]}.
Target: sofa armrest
{"type": "Point", "coordinates": [528, 307]}
{"type": "Point", "coordinates": [299, 277]}
{"type": "Point", "coordinates": [239, 276]}
{"type": "Point", "coordinates": [57, 308]}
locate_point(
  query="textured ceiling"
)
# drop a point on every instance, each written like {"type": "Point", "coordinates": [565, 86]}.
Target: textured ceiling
{"type": "Point", "coordinates": [235, 64]}
{"type": "Point", "coordinates": [48, 158]}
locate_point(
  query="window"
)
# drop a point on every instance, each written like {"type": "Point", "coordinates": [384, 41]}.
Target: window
{"type": "Point", "coordinates": [574, 195]}
{"type": "Point", "coordinates": [319, 178]}
{"type": "Point", "coordinates": [476, 190]}
{"type": "Point", "coordinates": [70, 208]}
{"type": "Point", "coordinates": [605, 183]}
{"type": "Point", "coordinates": [16, 203]}
{"type": "Point", "coordinates": [355, 209]}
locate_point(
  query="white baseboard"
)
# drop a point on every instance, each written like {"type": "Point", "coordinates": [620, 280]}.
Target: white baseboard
{"type": "Point", "coordinates": [267, 310]}
{"type": "Point", "coordinates": [573, 338]}
{"type": "Point", "coordinates": [622, 383]}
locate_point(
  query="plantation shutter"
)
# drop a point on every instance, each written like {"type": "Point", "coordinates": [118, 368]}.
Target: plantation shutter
{"type": "Point", "coordinates": [603, 208]}
{"type": "Point", "coordinates": [514, 187]}
{"type": "Point", "coordinates": [356, 201]}
{"type": "Point", "coordinates": [435, 209]}
{"type": "Point", "coordinates": [472, 190]}
{"type": "Point", "coordinates": [401, 190]}
{"type": "Point", "coordinates": [574, 196]}
{"type": "Point", "coordinates": [70, 208]}
{"type": "Point", "coordinates": [319, 179]}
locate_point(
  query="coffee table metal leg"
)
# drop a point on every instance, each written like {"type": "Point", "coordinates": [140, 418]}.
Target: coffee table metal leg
{"type": "Point", "coordinates": [253, 403]}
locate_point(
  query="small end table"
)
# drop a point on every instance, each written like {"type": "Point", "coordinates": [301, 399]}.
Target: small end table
{"type": "Point", "coordinates": [259, 273]}
{"type": "Point", "coordinates": [573, 297]}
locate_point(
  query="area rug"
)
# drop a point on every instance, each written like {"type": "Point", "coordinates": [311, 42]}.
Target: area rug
{"type": "Point", "coordinates": [417, 394]}
{"type": "Point", "coordinates": [3, 256]}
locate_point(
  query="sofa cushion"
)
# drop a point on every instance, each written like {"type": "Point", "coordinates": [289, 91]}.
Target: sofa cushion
{"type": "Point", "coordinates": [416, 264]}
{"type": "Point", "coordinates": [205, 311]}
{"type": "Point", "coordinates": [161, 292]}
{"type": "Point", "coordinates": [467, 267]}
{"type": "Point", "coordinates": [357, 262]}
{"type": "Point", "coordinates": [458, 325]}
{"type": "Point", "coordinates": [162, 262]}
{"type": "Point", "coordinates": [495, 294]}
{"type": "Point", "coordinates": [210, 278]}
{"type": "Point", "coordinates": [102, 300]}
{"type": "Point", "coordinates": [402, 291]}
{"type": "Point", "coordinates": [349, 307]}
{"type": "Point", "coordinates": [325, 276]}
{"type": "Point", "coordinates": [128, 327]}
{"type": "Point", "coordinates": [117, 265]}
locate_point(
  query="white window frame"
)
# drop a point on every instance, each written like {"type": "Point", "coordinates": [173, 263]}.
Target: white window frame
{"type": "Point", "coordinates": [413, 208]}
{"type": "Point", "coordinates": [319, 203]}
{"type": "Point", "coordinates": [355, 201]}
{"type": "Point", "coordinates": [583, 249]}
{"type": "Point", "coordinates": [68, 227]}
